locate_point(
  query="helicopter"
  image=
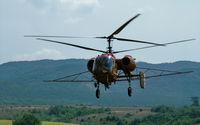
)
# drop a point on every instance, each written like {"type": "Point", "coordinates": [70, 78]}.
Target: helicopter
{"type": "Point", "coordinates": [107, 69]}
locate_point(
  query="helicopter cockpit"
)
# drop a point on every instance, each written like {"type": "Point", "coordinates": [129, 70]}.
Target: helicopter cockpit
{"type": "Point", "coordinates": [103, 63]}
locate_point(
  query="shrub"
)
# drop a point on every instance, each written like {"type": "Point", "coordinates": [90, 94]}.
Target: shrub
{"type": "Point", "coordinates": [162, 109]}
{"type": "Point", "coordinates": [27, 119]}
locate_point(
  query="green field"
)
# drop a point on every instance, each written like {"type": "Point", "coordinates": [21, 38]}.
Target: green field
{"type": "Point", "coordinates": [9, 122]}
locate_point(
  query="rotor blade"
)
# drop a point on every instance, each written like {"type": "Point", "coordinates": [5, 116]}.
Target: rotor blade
{"type": "Point", "coordinates": [124, 25]}
{"type": "Point", "coordinates": [153, 46]}
{"type": "Point", "coordinates": [138, 41]}
{"type": "Point", "coordinates": [102, 37]}
{"type": "Point", "coordinates": [57, 36]}
{"type": "Point", "coordinates": [69, 44]}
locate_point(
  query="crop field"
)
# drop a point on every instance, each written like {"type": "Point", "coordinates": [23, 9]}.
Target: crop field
{"type": "Point", "coordinates": [9, 122]}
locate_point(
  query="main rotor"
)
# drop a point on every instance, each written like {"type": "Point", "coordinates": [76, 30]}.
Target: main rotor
{"type": "Point", "coordinates": [109, 39]}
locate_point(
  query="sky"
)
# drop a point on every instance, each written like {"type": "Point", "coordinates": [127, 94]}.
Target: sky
{"type": "Point", "coordinates": [161, 21]}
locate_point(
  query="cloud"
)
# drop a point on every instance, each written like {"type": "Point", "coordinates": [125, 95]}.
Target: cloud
{"type": "Point", "coordinates": [65, 10]}
{"type": "Point", "coordinates": [75, 4]}
{"type": "Point", "coordinates": [65, 6]}
{"type": "Point", "coordinates": [145, 9]}
{"type": "Point", "coordinates": [44, 53]}
{"type": "Point", "coordinates": [72, 20]}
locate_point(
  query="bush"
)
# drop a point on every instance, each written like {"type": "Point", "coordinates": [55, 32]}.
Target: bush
{"type": "Point", "coordinates": [135, 122]}
{"type": "Point", "coordinates": [127, 115]}
{"type": "Point", "coordinates": [112, 118]}
{"type": "Point", "coordinates": [162, 109]}
{"type": "Point", "coordinates": [195, 101]}
{"type": "Point", "coordinates": [27, 119]}
{"type": "Point", "coordinates": [120, 122]}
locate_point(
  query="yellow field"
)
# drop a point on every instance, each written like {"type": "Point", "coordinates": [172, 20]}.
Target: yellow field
{"type": "Point", "coordinates": [5, 122]}
{"type": "Point", "coordinates": [9, 122]}
{"type": "Point", "coordinates": [57, 123]}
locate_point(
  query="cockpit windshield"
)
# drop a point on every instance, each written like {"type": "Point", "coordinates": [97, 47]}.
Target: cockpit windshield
{"type": "Point", "coordinates": [103, 63]}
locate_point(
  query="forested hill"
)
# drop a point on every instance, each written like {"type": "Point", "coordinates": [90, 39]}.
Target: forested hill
{"type": "Point", "coordinates": [22, 83]}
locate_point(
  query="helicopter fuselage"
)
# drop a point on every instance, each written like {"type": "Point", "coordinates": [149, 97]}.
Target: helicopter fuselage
{"type": "Point", "coordinates": [105, 67]}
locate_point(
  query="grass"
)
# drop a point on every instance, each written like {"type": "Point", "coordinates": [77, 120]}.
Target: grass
{"type": "Point", "coordinates": [9, 122]}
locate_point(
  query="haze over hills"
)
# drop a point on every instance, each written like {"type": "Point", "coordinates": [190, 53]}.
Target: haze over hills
{"type": "Point", "coordinates": [22, 83]}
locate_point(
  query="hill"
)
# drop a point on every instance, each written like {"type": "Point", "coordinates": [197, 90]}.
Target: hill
{"type": "Point", "coordinates": [22, 83]}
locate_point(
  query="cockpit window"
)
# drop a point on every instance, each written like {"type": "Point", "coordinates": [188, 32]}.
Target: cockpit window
{"type": "Point", "coordinates": [103, 63]}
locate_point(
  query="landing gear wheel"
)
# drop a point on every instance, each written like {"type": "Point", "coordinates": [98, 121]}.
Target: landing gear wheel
{"type": "Point", "coordinates": [97, 93]}
{"type": "Point", "coordinates": [129, 91]}
{"type": "Point", "coordinates": [95, 85]}
{"type": "Point", "coordinates": [142, 79]}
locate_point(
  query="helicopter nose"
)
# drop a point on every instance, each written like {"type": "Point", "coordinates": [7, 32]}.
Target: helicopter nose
{"type": "Point", "coordinates": [101, 69]}
{"type": "Point", "coordinates": [104, 70]}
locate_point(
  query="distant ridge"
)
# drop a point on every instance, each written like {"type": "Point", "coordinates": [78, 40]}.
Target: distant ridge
{"type": "Point", "coordinates": [21, 83]}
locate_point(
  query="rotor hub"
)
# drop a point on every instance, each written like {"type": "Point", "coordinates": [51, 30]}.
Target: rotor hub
{"type": "Point", "coordinates": [109, 45]}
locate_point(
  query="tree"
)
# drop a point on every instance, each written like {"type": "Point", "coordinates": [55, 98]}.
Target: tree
{"type": "Point", "coordinates": [27, 119]}
{"type": "Point", "coordinates": [120, 122]}
{"type": "Point", "coordinates": [135, 122]}
{"type": "Point", "coordinates": [195, 101]}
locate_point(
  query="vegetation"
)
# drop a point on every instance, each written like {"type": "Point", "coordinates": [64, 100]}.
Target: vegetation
{"type": "Point", "coordinates": [67, 113]}
{"type": "Point", "coordinates": [27, 119]}
{"type": "Point", "coordinates": [163, 109]}
{"type": "Point", "coordinates": [187, 115]}
{"type": "Point", "coordinates": [90, 115]}
{"type": "Point", "coordinates": [195, 101]}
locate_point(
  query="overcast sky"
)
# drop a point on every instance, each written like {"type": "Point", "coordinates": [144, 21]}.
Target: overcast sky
{"type": "Point", "coordinates": [161, 21]}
